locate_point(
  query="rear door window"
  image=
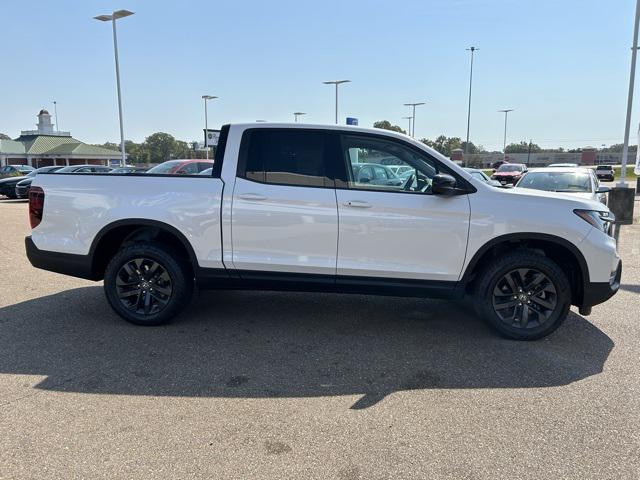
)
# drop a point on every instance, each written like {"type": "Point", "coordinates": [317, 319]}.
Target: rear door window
{"type": "Point", "coordinates": [286, 157]}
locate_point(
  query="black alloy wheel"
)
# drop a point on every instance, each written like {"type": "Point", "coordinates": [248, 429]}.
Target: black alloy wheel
{"type": "Point", "coordinates": [524, 298]}
{"type": "Point", "coordinates": [143, 286]}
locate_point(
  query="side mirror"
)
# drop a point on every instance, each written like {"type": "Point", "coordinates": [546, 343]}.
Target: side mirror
{"type": "Point", "coordinates": [603, 190]}
{"type": "Point", "coordinates": [364, 180]}
{"type": "Point", "coordinates": [443, 184]}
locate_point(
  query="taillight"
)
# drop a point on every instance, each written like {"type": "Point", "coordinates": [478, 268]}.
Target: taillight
{"type": "Point", "coordinates": [36, 205]}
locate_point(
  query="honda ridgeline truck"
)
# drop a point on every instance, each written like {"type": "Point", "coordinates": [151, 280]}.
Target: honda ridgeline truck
{"type": "Point", "coordinates": [284, 210]}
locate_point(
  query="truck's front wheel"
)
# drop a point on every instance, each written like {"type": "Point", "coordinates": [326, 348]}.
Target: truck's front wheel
{"type": "Point", "coordinates": [523, 295]}
{"type": "Point", "coordinates": [146, 284]}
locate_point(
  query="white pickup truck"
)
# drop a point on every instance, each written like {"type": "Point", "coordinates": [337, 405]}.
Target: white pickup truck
{"type": "Point", "coordinates": [317, 208]}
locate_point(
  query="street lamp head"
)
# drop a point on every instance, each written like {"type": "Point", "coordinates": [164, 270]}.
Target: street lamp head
{"type": "Point", "coordinates": [506, 110]}
{"type": "Point", "coordinates": [415, 104]}
{"type": "Point", "coordinates": [336, 82]}
{"type": "Point", "coordinates": [299, 113]}
{"type": "Point", "coordinates": [473, 49]}
{"type": "Point", "coordinates": [208, 97]}
{"type": "Point", "coordinates": [114, 16]}
{"type": "Point", "coordinates": [121, 14]}
{"type": "Point", "coordinates": [407, 118]}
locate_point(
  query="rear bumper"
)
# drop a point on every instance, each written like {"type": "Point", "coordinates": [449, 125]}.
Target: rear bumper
{"type": "Point", "coordinates": [599, 292]}
{"type": "Point", "coordinates": [68, 264]}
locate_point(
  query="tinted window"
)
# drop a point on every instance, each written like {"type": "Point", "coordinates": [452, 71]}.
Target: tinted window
{"type": "Point", "coordinates": [287, 157]}
{"type": "Point", "coordinates": [369, 162]}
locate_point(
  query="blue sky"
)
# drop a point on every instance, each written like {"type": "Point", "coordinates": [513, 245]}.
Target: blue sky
{"type": "Point", "coordinates": [562, 65]}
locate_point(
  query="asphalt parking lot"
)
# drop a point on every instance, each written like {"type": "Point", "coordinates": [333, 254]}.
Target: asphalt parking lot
{"type": "Point", "coordinates": [280, 385]}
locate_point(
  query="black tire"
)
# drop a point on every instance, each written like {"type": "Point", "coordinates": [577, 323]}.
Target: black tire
{"type": "Point", "coordinates": [160, 289]}
{"type": "Point", "coordinates": [538, 310]}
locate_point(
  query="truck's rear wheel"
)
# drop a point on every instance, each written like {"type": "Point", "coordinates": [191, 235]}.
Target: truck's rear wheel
{"type": "Point", "coordinates": [146, 284]}
{"type": "Point", "coordinates": [523, 295]}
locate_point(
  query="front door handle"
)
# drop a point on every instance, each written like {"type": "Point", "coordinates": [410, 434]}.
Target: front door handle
{"type": "Point", "coordinates": [357, 204]}
{"type": "Point", "coordinates": [252, 196]}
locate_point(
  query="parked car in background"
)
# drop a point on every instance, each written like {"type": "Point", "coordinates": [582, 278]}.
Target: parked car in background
{"type": "Point", "coordinates": [509, 173]}
{"type": "Point", "coordinates": [23, 184]}
{"type": "Point", "coordinates": [562, 165]}
{"type": "Point", "coordinates": [181, 167]}
{"type": "Point", "coordinates": [579, 182]}
{"type": "Point", "coordinates": [129, 169]}
{"type": "Point", "coordinates": [208, 171]}
{"type": "Point", "coordinates": [15, 170]}
{"type": "Point", "coordinates": [376, 174]}
{"type": "Point", "coordinates": [480, 175]}
{"type": "Point", "coordinates": [85, 169]}
{"type": "Point", "coordinates": [605, 172]}
{"type": "Point", "coordinates": [8, 184]}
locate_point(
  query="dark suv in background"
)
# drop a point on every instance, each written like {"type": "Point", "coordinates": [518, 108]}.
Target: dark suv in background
{"type": "Point", "coordinates": [605, 172]}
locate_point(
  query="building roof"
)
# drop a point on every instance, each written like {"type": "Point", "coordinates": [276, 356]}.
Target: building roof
{"type": "Point", "coordinates": [52, 145]}
{"type": "Point", "coordinates": [11, 147]}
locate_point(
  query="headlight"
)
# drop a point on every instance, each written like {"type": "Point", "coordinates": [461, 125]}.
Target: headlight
{"type": "Point", "coordinates": [600, 219]}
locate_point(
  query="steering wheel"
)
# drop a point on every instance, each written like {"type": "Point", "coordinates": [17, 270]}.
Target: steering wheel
{"type": "Point", "coordinates": [409, 183]}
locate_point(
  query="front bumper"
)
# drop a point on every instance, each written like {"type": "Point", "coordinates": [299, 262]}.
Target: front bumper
{"type": "Point", "coordinates": [599, 292]}
{"type": "Point", "coordinates": [506, 180]}
{"type": "Point", "coordinates": [66, 263]}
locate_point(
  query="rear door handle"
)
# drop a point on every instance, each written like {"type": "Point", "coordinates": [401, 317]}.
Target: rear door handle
{"type": "Point", "coordinates": [252, 196]}
{"type": "Point", "coordinates": [357, 204]}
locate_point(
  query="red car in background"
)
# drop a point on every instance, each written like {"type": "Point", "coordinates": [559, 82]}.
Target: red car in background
{"type": "Point", "coordinates": [181, 167]}
{"type": "Point", "coordinates": [509, 173]}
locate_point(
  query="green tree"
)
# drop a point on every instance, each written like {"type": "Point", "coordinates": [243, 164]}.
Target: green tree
{"type": "Point", "coordinates": [160, 147]}
{"type": "Point", "coordinates": [386, 125]}
{"type": "Point", "coordinates": [522, 147]}
{"type": "Point", "coordinates": [617, 148]}
{"type": "Point", "coordinates": [443, 144]}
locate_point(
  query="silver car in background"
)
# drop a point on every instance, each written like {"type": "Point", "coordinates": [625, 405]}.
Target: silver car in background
{"type": "Point", "coordinates": [575, 181]}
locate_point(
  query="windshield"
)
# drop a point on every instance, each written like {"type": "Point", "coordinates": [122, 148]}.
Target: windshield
{"type": "Point", "coordinates": [165, 167]}
{"type": "Point", "coordinates": [604, 168]}
{"type": "Point", "coordinates": [557, 181]}
{"type": "Point", "coordinates": [509, 167]}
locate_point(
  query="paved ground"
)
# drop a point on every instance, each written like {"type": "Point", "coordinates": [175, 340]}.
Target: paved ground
{"type": "Point", "coordinates": [300, 386]}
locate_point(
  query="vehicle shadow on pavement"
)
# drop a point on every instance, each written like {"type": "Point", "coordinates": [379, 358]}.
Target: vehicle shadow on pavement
{"type": "Point", "coordinates": [264, 344]}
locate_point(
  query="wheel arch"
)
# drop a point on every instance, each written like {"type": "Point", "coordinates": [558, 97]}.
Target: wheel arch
{"type": "Point", "coordinates": [562, 251]}
{"type": "Point", "coordinates": [112, 236]}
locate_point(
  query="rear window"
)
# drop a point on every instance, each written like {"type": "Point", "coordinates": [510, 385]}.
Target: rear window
{"type": "Point", "coordinates": [604, 167]}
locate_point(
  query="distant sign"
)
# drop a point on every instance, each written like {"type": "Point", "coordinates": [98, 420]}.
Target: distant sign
{"type": "Point", "coordinates": [211, 138]}
{"type": "Point", "coordinates": [352, 121]}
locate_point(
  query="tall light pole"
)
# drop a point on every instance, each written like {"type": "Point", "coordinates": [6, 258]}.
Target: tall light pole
{"type": "Point", "coordinates": [336, 83]}
{"type": "Point", "coordinates": [627, 125]}
{"type": "Point", "coordinates": [206, 123]}
{"type": "Point", "coordinates": [297, 114]}
{"type": "Point", "coordinates": [55, 113]}
{"type": "Point", "coordinates": [113, 17]}
{"type": "Point", "coordinates": [466, 145]}
{"type": "Point", "coordinates": [504, 146]}
{"type": "Point", "coordinates": [408, 118]}
{"type": "Point", "coordinates": [413, 116]}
